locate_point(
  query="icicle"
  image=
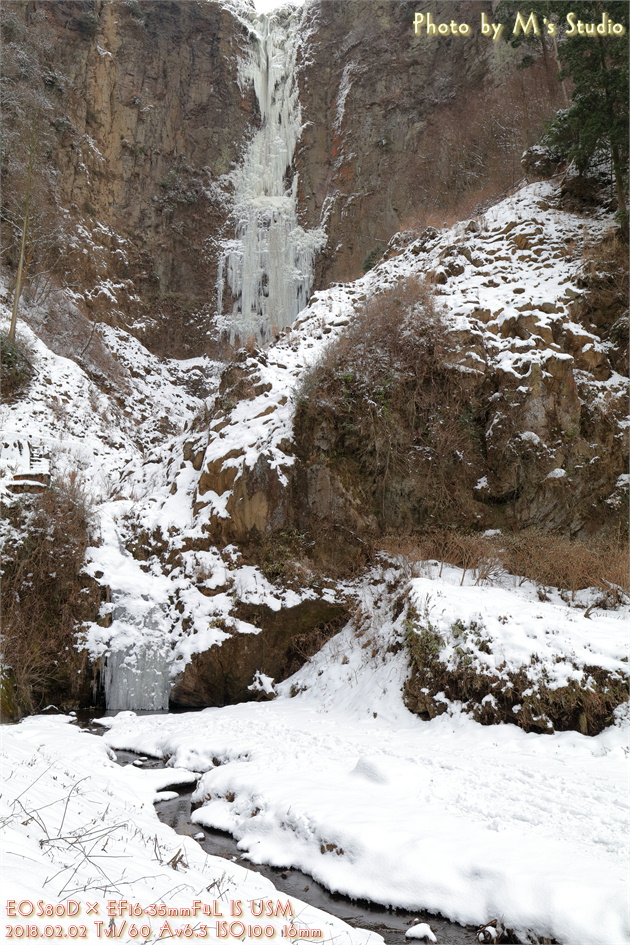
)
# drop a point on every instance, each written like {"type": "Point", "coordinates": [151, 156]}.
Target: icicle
{"type": "Point", "coordinates": [268, 266]}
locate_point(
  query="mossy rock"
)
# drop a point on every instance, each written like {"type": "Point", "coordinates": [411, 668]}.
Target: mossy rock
{"type": "Point", "coordinates": [9, 709]}
{"type": "Point", "coordinates": [506, 696]}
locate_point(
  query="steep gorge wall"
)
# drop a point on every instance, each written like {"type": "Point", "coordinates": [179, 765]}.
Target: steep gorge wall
{"type": "Point", "coordinates": [404, 130]}
{"type": "Point", "coordinates": [151, 116]}
{"type": "Point", "coordinates": [372, 93]}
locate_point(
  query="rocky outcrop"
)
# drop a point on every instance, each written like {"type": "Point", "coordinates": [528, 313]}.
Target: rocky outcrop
{"type": "Point", "coordinates": [539, 430]}
{"type": "Point", "coordinates": [224, 674]}
{"type": "Point", "coordinates": [525, 428]}
{"type": "Point", "coordinates": [540, 163]}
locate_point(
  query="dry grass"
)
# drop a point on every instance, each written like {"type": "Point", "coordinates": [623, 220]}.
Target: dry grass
{"type": "Point", "coordinates": [551, 560]}
{"type": "Point", "coordinates": [569, 564]}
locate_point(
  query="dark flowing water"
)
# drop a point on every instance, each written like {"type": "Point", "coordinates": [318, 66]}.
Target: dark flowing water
{"type": "Point", "coordinates": [390, 923]}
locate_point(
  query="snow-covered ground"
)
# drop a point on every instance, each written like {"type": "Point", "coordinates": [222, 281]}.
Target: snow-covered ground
{"type": "Point", "coordinates": [84, 855]}
{"type": "Point", "coordinates": [335, 777]}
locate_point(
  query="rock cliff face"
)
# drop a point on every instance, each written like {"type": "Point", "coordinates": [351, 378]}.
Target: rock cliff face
{"type": "Point", "coordinates": [149, 115]}
{"type": "Point", "coordinates": [373, 94]}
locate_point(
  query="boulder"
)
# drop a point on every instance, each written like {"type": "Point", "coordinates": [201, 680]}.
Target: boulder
{"type": "Point", "coordinates": [223, 674]}
{"type": "Point", "coordinates": [540, 163]}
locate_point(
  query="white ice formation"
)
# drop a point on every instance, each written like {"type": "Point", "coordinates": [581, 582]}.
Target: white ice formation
{"type": "Point", "coordinates": [268, 265]}
{"type": "Point", "coordinates": [137, 676]}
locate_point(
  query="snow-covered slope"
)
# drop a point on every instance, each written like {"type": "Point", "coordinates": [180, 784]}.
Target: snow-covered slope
{"type": "Point", "coordinates": [337, 778]}
{"type": "Point", "coordinates": [101, 432]}
{"type": "Point", "coordinates": [174, 476]}
{"type": "Point", "coordinates": [506, 284]}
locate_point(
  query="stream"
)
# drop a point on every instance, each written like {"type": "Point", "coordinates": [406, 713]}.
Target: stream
{"type": "Point", "coordinates": [390, 923]}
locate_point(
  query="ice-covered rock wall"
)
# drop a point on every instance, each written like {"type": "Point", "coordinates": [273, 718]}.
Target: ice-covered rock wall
{"type": "Point", "coordinates": [268, 265]}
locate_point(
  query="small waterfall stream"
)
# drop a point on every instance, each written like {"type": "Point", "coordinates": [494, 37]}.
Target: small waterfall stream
{"type": "Point", "coordinates": [268, 265]}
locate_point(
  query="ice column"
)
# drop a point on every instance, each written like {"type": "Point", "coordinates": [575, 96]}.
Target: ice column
{"type": "Point", "coordinates": [268, 266]}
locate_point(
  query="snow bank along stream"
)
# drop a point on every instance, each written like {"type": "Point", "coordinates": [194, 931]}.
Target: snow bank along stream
{"type": "Point", "coordinates": [176, 811]}
{"type": "Point", "coordinates": [84, 855]}
{"type": "Point", "coordinates": [469, 821]}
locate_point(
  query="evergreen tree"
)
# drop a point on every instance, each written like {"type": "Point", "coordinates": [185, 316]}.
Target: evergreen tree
{"type": "Point", "coordinates": [595, 121]}
{"type": "Point", "coordinates": [597, 118]}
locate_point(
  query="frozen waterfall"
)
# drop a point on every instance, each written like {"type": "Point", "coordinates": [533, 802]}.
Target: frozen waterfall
{"type": "Point", "coordinates": [268, 265]}
{"type": "Point", "coordinates": [136, 675]}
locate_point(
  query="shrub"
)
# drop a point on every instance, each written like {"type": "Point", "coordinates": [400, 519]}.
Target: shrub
{"type": "Point", "coordinates": [45, 597]}
{"type": "Point", "coordinates": [134, 9]}
{"type": "Point", "coordinates": [280, 557]}
{"type": "Point", "coordinates": [385, 397]}
{"type": "Point", "coordinates": [372, 259]}
{"type": "Point", "coordinates": [88, 24]}
{"type": "Point", "coordinates": [17, 369]}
